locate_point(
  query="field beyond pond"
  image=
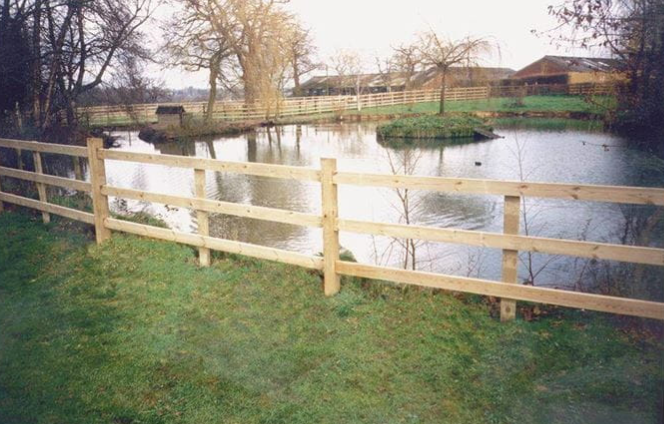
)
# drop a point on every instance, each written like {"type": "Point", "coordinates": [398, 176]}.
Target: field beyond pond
{"type": "Point", "coordinates": [135, 332]}
{"type": "Point", "coordinates": [558, 103]}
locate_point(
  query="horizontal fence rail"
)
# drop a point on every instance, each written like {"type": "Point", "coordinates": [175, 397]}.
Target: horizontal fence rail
{"type": "Point", "coordinates": [510, 242]}
{"type": "Point", "coordinates": [596, 193]}
{"type": "Point", "coordinates": [298, 106]}
{"type": "Point", "coordinates": [255, 169]}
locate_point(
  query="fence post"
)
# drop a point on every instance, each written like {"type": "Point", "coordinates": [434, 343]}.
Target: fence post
{"type": "Point", "coordinates": [330, 232]}
{"type": "Point", "coordinates": [2, 205]}
{"type": "Point", "coordinates": [97, 180]}
{"type": "Point", "coordinates": [202, 217]}
{"type": "Point", "coordinates": [510, 257]}
{"type": "Point", "coordinates": [41, 187]}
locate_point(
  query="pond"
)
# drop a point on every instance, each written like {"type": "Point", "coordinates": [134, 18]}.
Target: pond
{"type": "Point", "coordinates": [545, 151]}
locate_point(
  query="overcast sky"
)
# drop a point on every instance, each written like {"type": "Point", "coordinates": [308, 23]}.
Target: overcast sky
{"type": "Point", "coordinates": [371, 27]}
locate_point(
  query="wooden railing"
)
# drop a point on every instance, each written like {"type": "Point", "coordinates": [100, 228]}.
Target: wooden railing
{"type": "Point", "coordinates": [510, 242]}
{"type": "Point", "coordinates": [298, 106]}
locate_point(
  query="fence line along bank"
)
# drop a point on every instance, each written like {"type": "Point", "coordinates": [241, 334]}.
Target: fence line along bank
{"type": "Point", "coordinates": [510, 241]}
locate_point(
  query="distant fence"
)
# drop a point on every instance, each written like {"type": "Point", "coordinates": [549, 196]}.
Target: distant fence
{"type": "Point", "coordinates": [299, 106]}
{"type": "Point", "coordinates": [510, 242]}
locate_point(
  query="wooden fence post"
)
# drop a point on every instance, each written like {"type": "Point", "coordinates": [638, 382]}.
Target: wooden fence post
{"type": "Point", "coordinates": [330, 232]}
{"type": "Point", "coordinates": [510, 257]}
{"type": "Point", "coordinates": [202, 217]}
{"type": "Point", "coordinates": [2, 205]}
{"type": "Point", "coordinates": [41, 187]}
{"type": "Point", "coordinates": [97, 180]}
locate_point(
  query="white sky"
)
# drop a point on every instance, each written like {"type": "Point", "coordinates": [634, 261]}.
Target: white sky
{"type": "Point", "coordinates": [371, 27]}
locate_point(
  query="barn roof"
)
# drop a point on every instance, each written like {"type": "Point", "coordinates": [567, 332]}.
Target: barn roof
{"type": "Point", "coordinates": [398, 79]}
{"type": "Point", "coordinates": [585, 64]}
{"type": "Point", "coordinates": [561, 65]}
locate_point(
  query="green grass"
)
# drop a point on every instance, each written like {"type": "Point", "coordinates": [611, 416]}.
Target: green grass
{"type": "Point", "coordinates": [135, 332]}
{"type": "Point", "coordinates": [432, 127]}
{"type": "Point", "coordinates": [530, 104]}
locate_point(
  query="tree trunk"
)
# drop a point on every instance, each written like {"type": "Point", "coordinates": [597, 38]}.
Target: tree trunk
{"type": "Point", "coordinates": [442, 92]}
{"type": "Point", "coordinates": [212, 95]}
{"type": "Point", "coordinates": [297, 92]}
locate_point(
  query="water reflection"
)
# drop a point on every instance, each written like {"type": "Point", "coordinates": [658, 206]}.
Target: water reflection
{"type": "Point", "coordinates": [554, 154]}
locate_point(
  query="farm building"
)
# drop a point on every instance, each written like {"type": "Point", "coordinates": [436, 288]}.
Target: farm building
{"type": "Point", "coordinates": [569, 70]}
{"type": "Point", "coordinates": [397, 81]}
{"type": "Point", "coordinates": [169, 116]}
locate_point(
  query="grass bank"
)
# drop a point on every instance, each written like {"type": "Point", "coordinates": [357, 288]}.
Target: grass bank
{"type": "Point", "coordinates": [135, 332]}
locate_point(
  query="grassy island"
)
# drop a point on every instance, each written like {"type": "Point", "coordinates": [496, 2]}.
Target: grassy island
{"type": "Point", "coordinates": [433, 126]}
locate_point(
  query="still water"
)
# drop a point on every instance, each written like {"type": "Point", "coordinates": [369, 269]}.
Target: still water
{"type": "Point", "coordinates": [547, 152]}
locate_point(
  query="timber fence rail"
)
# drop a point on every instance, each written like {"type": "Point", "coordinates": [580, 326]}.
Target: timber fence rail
{"type": "Point", "coordinates": [299, 106]}
{"type": "Point", "coordinates": [510, 242]}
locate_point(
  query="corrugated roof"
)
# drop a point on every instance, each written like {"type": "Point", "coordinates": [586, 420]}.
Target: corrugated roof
{"type": "Point", "coordinates": [397, 79]}
{"type": "Point", "coordinates": [585, 64]}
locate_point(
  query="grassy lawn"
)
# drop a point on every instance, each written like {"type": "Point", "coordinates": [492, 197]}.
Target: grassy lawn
{"type": "Point", "coordinates": [530, 103]}
{"type": "Point", "coordinates": [134, 332]}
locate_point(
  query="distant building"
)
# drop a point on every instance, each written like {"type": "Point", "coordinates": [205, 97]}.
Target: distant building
{"type": "Point", "coordinates": [569, 70]}
{"type": "Point", "coordinates": [397, 81]}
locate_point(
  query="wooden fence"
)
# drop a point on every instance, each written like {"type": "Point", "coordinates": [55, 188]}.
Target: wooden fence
{"type": "Point", "coordinates": [298, 106]}
{"type": "Point", "coordinates": [510, 242]}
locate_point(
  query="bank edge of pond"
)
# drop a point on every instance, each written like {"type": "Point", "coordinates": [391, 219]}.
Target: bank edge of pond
{"type": "Point", "coordinates": [68, 303]}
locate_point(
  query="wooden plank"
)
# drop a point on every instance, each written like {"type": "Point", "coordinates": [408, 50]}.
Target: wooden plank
{"type": "Point", "coordinates": [41, 188]}
{"type": "Point", "coordinates": [74, 214]}
{"type": "Point", "coordinates": [46, 179]}
{"type": "Point", "coordinates": [34, 146]}
{"type": "Point", "coordinates": [97, 181]}
{"type": "Point", "coordinates": [583, 249]}
{"type": "Point", "coordinates": [596, 193]}
{"type": "Point", "coordinates": [228, 246]}
{"type": "Point", "coordinates": [215, 206]}
{"type": "Point", "coordinates": [594, 302]}
{"type": "Point", "coordinates": [202, 216]}
{"type": "Point", "coordinates": [330, 233]}
{"type": "Point", "coordinates": [510, 269]}
{"type": "Point", "coordinates": [256, 169]}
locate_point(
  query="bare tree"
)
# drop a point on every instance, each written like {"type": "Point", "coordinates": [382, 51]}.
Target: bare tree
{"type": "Point", "coordinates": [387, 70]}
{"type": "Point", "coordinates": [407, 61]}
{"type": "Point", "coordinates": [301, 55]}
{"type": "Point", "coordinates": [255, 31]}
{"type": "Point", "coordinates": [633, 31]}
{"type": "Point", "coordinates": [191, 43]}
{"type": "Point", "coordinates": [74, 45]}
{"type": "Point", "coordinates": [252, 39]}
{"type": "Point", "coordinates": [443, 53]}
{"type": "Point", "coordinates": [348, 66]}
